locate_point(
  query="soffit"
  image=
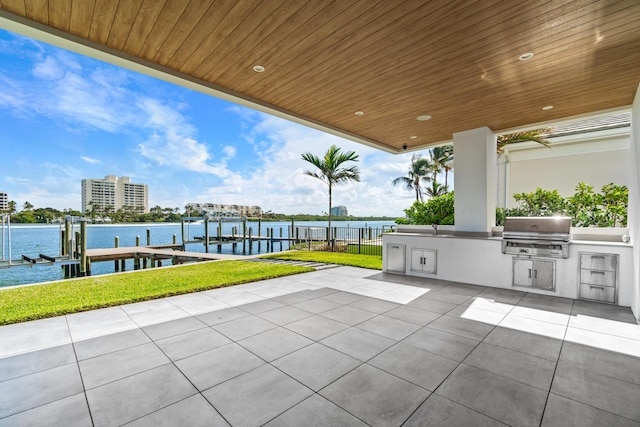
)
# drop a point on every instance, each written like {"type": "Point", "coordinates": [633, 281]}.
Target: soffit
{"type": "Point", "coordinates": [456, 61]}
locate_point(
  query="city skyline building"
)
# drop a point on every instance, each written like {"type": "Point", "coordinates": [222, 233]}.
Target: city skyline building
{"type": "Point", "coordinates": [339, 211]}
{"type": "Point", "coordinates": [114, 193]}
{"type": "Point", "coordinates": [4, 201]}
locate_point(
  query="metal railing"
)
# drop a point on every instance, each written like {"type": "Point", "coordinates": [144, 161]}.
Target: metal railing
{"type": "Point", "coordinates": [366, 241]}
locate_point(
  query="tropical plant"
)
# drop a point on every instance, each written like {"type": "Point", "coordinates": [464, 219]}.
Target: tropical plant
{"type": "Point", "coordinates": [27, 206]}
{"type": "Point", "coordinates": [437, 210]}
{"type": "Point", "coordinates": [331, 170]}
{"type": "Point", "coordinates": [535, 135]}
{"type": "Point", "coordinates": [435, 189]}
{"type": "Point", "coordinates": [418, 172]}
{"type": "Point", "coordinates": [442, 156]}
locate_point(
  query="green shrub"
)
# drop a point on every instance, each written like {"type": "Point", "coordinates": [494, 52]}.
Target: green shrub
{"type": "Point", "coordinates": [437, 210]}
{"type": "Point", "coordinates": [586, 207]}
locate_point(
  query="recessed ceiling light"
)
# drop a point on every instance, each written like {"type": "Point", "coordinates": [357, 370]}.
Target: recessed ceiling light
{"type": "Point", "coordinates": [525, 56]}
{"type": "Point", "coordinates": [423, 118]}
{"type": "Point", "coordinates": [547, 107]}
{"type": "Point", "coordinates": [359, 113]}
{"type": "Point", "coordinates": [413, 137]}
{"type": "Point", "coordinates": [258, 68]}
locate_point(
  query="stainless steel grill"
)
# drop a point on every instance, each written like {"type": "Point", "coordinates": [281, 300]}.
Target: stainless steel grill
{"type": "Point", "coordinates": [537, 236]}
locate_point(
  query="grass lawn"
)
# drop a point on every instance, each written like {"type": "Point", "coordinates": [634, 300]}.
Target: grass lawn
{"type": "Point", "coordinates": [70, 296]}
{"type": "Point", "coordinates": [341, 258]}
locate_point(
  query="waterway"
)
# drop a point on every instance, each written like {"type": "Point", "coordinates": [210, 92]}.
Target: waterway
{"type": "Point", "coordinates": [33, 240]}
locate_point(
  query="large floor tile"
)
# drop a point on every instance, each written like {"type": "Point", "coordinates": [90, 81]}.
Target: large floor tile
{"type": "Point", "coordinates": [27, 392]}
{"type": "Point", "coordinates": [36, 361]}
{"type": "Point", "coordinates": [561, 411]}
{"type": "Point", "coordinates": [109, 343]}
{"type": "Point", "coordinates": [541, 314]}
{"type": "Point", "coordinates": [244, 327]}
{"type": "Point", "coordinates": [213, 367]}
{"type": "Point", "coordinates": [174, 327]}
{"type": "Point", "coordinates": [133, 397]}
{"type": "Point", "coordinates": [413, 315]}
{"type": "Point", "coordinates": [284, 315]}
{"type": "Point", "coordinates": [357, 343]}
{"type": "Point", "coordinates": [495, 396]}
{"type": "Point", "coordinates": [294, 297]}
{"type": "Point", "coordinates": [483, 303]}
{"type": "Point", "coordinates": [343, 297]}
{"type": "Point", "coordinates": [257, 396]}
{"type": "Point", "coordinates": [222, 316]}
{"type": "Point", "coordinates": [503, 296]}
{"type": "Point", "coordinates": [110, 367]}
{"type": "Point", "coordinates": [439, 411]}
{"type": "Point", "coordinates": [440, 307]}
{"type": "Point", "coordinates": [365, 393]}
{"type": "Point", "coordinates": [95, 323]}
{"type": "Point", "coordinates": [318, 412]}
{"type": "Point", "coordinates": [70, 411]}
{"type": "Point", "coordinates": [606, 326]}
{"type": "Point", "coordinates": [316, 365]}
{"type": "Point", "coordinates": [412, 364]}
{"type": "Point", "coordinates": [317, 327]}
{"type": "Point", "coordinates": [609, 363]}
{"type": "Point", "coordinates": [449, 345]}
{"type": "Point", "coordinates": [274, 343]}
{"type": "Point", "coordinates": [261, 306]}
{"type": "Point", "coordinates": [189, 343]}
{"type": "Point", "coordinates": [155, 311]}
{"type": "Point", "coordinates": [525, 342]}
{"type": "Point", "coordinates": [35, 335]}
{"type": "Point", "coordinates": [348, 315]}
{"type": "Point", "coordinates": [375, 305]}
{"type": "Point", "coordinates": [197, 303]}
{"type": "Point", "coordinates": [597, 390]}
{"type": "Point", "coordinates": [389, 327]}
{"type": "Point", "coordinates": [466, 328]}
{"type": "Point", "coordinates": [603, 311]}
{"type": "Point", "coordinates": [548, 303]}
{"type": "Point", "coordinates": [479, 315]}
{"type": "Point", "coordinates": [317, 305]}
{"type": "Point", "coordinates": [521, 367]}
{"type": "Point", "coordinates": [608, 342]}
{"type": "Point", "coordinates": [524, 324]}
{"type": "Point", "coordinates": [193, 411]}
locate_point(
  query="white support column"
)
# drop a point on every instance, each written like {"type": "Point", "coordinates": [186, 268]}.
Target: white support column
{"type": "Point", "coordinates": [475, 180]}
{"type": "Point", "coordinates": [634, 200]}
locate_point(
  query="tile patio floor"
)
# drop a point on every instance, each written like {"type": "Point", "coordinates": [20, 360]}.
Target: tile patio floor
{"type": "Point", "coordinates": [336, 347]}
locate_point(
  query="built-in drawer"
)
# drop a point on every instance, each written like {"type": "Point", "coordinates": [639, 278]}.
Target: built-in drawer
{"type": "Point", "coordinates": [598, 277]}
{"type": "Point", "coordinates": [603, 262]}
{"type": "Point", "coordinates": [598, 293]}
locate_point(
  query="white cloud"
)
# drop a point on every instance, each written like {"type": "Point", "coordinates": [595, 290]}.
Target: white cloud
{"type": "Point", "coordinates": [229, 151]}
{"type": "Point", "coordinates": [278, 182]}
{"type": "Point", "coordinates": [90, 160]}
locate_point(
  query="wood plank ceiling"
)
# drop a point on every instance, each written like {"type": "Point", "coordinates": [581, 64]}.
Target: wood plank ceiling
{"type": "Point", "coordinates": [394, 60]}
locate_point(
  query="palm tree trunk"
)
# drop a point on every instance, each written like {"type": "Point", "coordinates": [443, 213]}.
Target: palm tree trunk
{"type": "Point", "coordinates": [329, 211]}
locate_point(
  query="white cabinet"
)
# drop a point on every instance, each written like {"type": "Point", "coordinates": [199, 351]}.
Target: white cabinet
{"type": "Point", "coordinates": [395, 258]}
{"type": "Point", "coordinates": [423, 260]}
{"type": "Point", "coordinates": [598, 273]}
{"type": "Point", "coordinates": [534, 273]}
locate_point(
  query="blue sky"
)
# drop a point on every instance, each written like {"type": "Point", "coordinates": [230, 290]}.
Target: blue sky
{"type": "Point", "coordinates": [65, 117]}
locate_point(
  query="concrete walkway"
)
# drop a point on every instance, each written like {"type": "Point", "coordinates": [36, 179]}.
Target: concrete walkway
{"type": "Point", "coordinates": [336, 347]}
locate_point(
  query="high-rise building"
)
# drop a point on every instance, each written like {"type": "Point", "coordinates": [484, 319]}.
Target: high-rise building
{"type": "Point", "coordinates": [4, 201]}
{"type": "Point", "coordinates": [339, 211]}
{"type": "Point", "coordinates": [115, 193]}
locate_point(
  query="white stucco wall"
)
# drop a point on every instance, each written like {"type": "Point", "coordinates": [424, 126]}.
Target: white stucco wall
{"type": "Point", "coordinates": [564, 173]}
{"type": "Point", "coordinates": [634, 199]}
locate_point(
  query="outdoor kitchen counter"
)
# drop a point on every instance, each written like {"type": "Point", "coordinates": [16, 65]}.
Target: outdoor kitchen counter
{"type": "Point", "coordinates": [480, 261]}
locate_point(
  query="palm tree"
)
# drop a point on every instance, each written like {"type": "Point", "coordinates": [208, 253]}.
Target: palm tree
{"type": "Point", "coordinates": [436, 189]}
{"type": "Point", "coordinates": [418, 172]}
{"type": "Point", "coordinates": [27, 206]}
{"type": "Point", "coordinates": [535, 135]}
{"type": "Point", "coordinates": [443, 157]}
{"type": "Point", "coordinates": [331, 171]}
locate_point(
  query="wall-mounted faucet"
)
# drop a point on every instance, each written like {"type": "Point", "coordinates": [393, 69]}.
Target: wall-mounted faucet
{"type": "Point", "coordinates": [435, 228]}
